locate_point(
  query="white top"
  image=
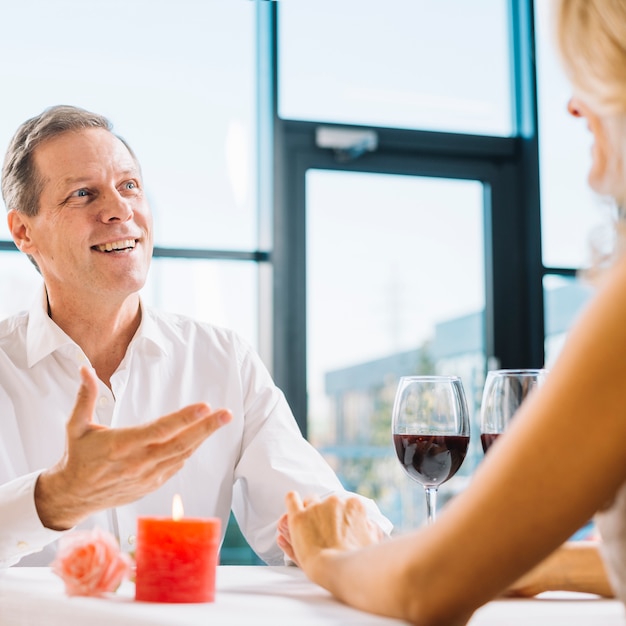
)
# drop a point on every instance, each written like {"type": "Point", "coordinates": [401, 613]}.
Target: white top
{"type": "Point", "coordinates": [265, 596]}
{"type": "Point", "coordinates": [611, 524]}
{"type": "Point", "coordinates": [171, 362]}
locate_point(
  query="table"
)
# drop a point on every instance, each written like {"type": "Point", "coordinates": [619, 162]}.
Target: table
{"type": "Point", "coordinates": [263, 596]}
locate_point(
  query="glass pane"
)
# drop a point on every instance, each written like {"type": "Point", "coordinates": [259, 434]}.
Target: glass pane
{"type": "Point", "coordinates": [567, 203]}
{"type": "Point", "coordinates": [399, 63]}
{"type": "Point", "coordinates": [177, 79]}
{"type": "Point", "coordinates": [395, 284]}
{"type": "Point", "coordinates": [564, 298]}
{"type": "Point", "coordinates": [224, 293]}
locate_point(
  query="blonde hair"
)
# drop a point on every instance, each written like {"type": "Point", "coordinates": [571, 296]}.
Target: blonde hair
{"type": "Point", "coordinates": [591, 39]}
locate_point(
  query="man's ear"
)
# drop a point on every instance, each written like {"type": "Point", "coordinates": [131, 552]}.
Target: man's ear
{"type": "Point", "coordinates": [20, 230]}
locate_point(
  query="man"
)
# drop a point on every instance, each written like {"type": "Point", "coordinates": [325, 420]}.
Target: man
{"type": "Point", "coordinates": [77, 207]}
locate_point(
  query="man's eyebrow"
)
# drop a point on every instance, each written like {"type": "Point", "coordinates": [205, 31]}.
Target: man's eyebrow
{"type": "Point", "coordinates": [71, 181]}
{"type": "Point", "coordinates": [131, 171]}
{"type": "Point", "coordinates": [85, 179]}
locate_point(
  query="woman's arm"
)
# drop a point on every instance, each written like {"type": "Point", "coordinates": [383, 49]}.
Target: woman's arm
{"type": "Point", "coordinates": [560, 461]}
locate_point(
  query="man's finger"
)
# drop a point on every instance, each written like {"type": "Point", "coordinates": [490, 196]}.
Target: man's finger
{"type": "Point", "coordinates": [82, 414]}
{"type": "Point", "coordinates": [283, 525]}
{"type": "Point", "coordinates": [294, 503]}
{"type": "Point", "coordinates": [184, 443]}
{"type": "Point", "coordinates": [314, 499]}
{"type": "Point", "coordinates": [354, 507]}
{"type": "Point", "coordinates": [159, 443]}
{"type": "Point", "coordinates": [164, 428]}
{"type": "Point", "coordinates": [285, 545]}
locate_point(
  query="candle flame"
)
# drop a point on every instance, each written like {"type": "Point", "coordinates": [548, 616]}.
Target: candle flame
{"type": "Point", "coordinates": [177, 507]}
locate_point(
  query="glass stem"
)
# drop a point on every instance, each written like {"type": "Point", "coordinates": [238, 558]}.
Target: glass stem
{"type": "Point", "coordinates": [431, 503]}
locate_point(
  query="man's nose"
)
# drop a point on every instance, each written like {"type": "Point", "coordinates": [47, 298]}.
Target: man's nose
{"type": "Point", "coordinates": [115, 208]}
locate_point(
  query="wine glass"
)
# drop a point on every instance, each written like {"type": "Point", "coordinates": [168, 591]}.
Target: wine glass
{"type": "Point", "coordinates": [431, 431]}
{"type": "Point", "coordinates": [504, 392]}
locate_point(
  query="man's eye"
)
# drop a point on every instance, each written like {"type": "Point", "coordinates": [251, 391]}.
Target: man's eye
{"type": "Point", "coordinates": [130, 185]}
{"type": "Point", "coordinates": [80, 193]}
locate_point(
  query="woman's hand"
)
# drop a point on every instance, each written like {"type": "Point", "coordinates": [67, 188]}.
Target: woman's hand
{"type": "Point", "coordinates": [314, 528]}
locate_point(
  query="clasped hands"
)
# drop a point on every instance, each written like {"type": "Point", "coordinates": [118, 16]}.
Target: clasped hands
{"type": "Point", "coordinates": [107, 467]}
{"type": "Point", "coordinates": [313, 528]}
{"type": "Point", "coordinates": [316, 534]}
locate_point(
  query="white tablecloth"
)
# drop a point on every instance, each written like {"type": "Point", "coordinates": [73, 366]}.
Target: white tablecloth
{"type": "Point", "coordinates": [259, 596]}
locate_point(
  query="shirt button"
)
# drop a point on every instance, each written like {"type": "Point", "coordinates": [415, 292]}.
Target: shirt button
{"type": "Point", "coordinates": [22, 545]}
{"type": "Point", "coordinates": [131, 540]}
{"type": "Point", "coordinates": [103, 401]}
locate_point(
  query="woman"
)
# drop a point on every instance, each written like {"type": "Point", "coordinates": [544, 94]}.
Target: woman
{"type": "Point", "coordinates": [563, 458]}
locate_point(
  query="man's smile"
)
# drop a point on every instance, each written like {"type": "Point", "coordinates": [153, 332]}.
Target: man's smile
{"type": "Point", "coordinates": [123, 244]}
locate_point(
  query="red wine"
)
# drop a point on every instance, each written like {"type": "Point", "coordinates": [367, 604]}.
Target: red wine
{"type": "Point", "coordinates": [487, 439]}
{"type": "Point", "coordinates": [431, 459]}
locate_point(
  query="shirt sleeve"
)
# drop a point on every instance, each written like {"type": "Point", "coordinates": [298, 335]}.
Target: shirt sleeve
{"type": "Point", "coordinates": [22, 531]}
{"type": "Point", "coordinates": [276, 458]}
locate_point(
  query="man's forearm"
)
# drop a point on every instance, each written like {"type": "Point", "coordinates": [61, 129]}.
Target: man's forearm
{"type": "Point", "coordinates": [575, 566]}
{"type": "Point", "coordinates": [21, 530]}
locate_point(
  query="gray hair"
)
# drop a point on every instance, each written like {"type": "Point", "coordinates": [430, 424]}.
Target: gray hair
{"type": "Point", "coordinates": [21, 182]}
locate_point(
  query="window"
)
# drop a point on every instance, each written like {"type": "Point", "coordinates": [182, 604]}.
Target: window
{"type": "Point", "coordinates": [221, 292]}
{"type": "Point", "coordinates": [567, 203]}
{"type": "Point", "coordinates": [395, 286]}
{"type": "Point", "coordinates": [564, 298]}
{"type": "Point", "coordinates": [155, 69]}
{"type": "Point", "coordinates": [401, 64]}
{"type": "Point", "coordinates": [348, 85]}
{"type": "Point", "coordinates": [158, 71]}
{"type": "Point", "coordinates": [443, 88]}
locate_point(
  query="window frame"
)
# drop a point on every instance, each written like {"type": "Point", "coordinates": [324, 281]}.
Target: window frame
{"type": "Point", "coordinates": [507, 166]}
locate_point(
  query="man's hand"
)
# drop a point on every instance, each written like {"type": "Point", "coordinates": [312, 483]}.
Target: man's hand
{"type": "Point", "coordinates": [313, 526]}
{"type": "Point", "coordinates": [107, 467]}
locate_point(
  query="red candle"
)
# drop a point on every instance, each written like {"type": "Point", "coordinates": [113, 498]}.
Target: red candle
{"type": "Point", "coordinates": [176, 558]}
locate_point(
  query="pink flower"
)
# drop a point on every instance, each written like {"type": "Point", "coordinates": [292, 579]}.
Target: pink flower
{"type": "Point", "coordinates": [90, 563]}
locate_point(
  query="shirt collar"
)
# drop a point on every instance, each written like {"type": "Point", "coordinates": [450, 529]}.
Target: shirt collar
{"type": "Point", "coordinates": [149, 330]}
{"type": "Point", "coordinates": [43, 336]}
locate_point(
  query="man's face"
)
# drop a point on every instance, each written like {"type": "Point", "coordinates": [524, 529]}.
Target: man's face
{"type": "Point", "coordinates": [93, 233]}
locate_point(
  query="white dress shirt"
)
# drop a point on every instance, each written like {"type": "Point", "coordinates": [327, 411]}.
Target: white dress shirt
{"type": "Point", "coordinates": [172, 361]}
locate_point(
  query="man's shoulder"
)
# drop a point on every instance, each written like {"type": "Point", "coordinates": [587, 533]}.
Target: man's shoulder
{"type": "Point", "coordinates": [14, 325]}
{"type": "Point", "coordinates": [191, 331]}
{"type": "Point", "coordinates": [13, 338]}
{"type": "Point", "coordinates": [179, 322]}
